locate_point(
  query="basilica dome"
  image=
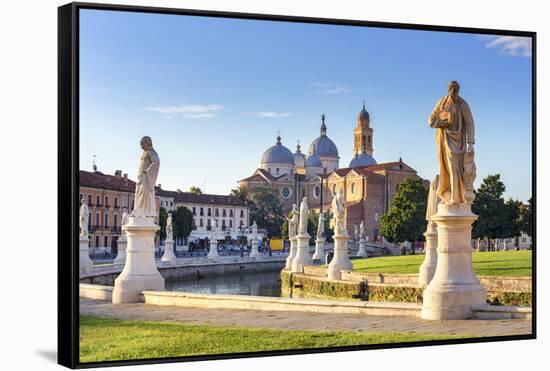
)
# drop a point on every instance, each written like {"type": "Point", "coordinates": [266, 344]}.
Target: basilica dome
{"type": "Point", "coordinates": [323, 145]}
{"type": "Point", "coordinates": [278, 154]}
{"type": "Point", "coordinates": [362, 159]}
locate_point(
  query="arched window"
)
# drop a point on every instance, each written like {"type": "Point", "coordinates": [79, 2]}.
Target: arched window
{"type": "Point", "coordinates": [369, 138]}
{"type": "Point", "coordinates": [352, 188]}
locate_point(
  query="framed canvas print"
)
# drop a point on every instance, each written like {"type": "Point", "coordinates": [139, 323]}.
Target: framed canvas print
{"type": "Point", "coordinates": [243, 185]}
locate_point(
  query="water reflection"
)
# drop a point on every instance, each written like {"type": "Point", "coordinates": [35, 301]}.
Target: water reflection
{"type": "Point", "coordinates": [246, 283]}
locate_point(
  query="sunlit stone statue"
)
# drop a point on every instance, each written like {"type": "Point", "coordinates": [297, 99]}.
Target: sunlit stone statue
{"type": "Point", "coordinates": [292, 230]}
{"type": "Point", "coordinates": [169, 256]}
{"type": "Point", "coordinates": [140, 272]}
{"type": "Point", "coordinates": [455, 137]}
{"type": "Point", "coordinates": [341, 260]}
{"type": "Point", "coordinates": [122, 242]}
{"type": "Point", "coordinates": [362, 235]}
{"type": "Point", "coordinates": [320, 239]}
{"type": "Point", "coordinates": [302, 240]}
{"type": "Point", "coordinates": [427, 269]}
{"type": "Point", "coordinates": [148, 171]}
{"type": "Point", "coordinates": [454, 291]}
{"type": "Point", "coordinates": [255, 252]}
{"type": "Point", "coordinates": [85, 263]}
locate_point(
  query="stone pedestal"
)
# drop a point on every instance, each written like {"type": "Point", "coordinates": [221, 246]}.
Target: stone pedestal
{"type": "Point", "coordinates": [213, 252]}
{"type": "Point", "coordinates": [291, 254]}
{"type": "Point", "coordinates": [140, 271]}
{"type": "Point", "coordinates": [427, 269]}
{"type": "Point", "coordinates": [454, 290]}
{"type": "Point", "coordinates": [319, 253]}
{"type": "Point", "coordinates": [85, 264]}
{"type": "Point", "coordinates": [302, 253]}
{"type": "Point", "coordinates": [254, 252]}
{"type": "Point", "coordinates": [120, 259]}
{"type": "Point", "coordinates": [340, 261]}
{"type": "Point", "coordinates": [169, 256]}
{"type": "Point", "coordinates": [362, 252]}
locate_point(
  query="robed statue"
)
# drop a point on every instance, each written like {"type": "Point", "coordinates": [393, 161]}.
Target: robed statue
{"type": "Point", "coordinates": [433, 200]}
{"type": "Point", "coordinates": [338, 211]}
{"type": "Point", "coordinates": [321, 226]}
{"type": "Point", "coordinates": [293, 221]}
{"type": "Point", "coordinates": [304, 210]}
{"type": "Point", "coordinates": [169, 228]}
{"type": "Point", "coordinates": [83, 218]}
{"type": "Point", "coordinates": [356, 232]}
{"type": "Point", "coordinates": [455, 139]}
{"type": "Point", "coordinates": [124, 221]}
{"type": "Point", "coordinates": [254, 231]}
{"type": "Point", "coordinates": [362, 234]}
{"type": "Point", "coordinates": [145, 205]}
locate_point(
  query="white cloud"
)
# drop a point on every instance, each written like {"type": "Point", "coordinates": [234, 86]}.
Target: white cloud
{"type": "Point", "coordinates": [267, 114]}
{"type": "Point", "coordinates": [330, 88]}
{"type": "Point", "coordinates": [190, 111]}
{"type": "Point", "coordinates": [512, 45]}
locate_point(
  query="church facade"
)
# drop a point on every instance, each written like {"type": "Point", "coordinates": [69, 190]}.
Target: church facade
{"type": "Point", "coordinates": [368, 186]}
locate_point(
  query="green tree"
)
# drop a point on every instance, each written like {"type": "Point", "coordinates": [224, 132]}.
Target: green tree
{"type": "Point", "coordinates": [241, 193]}
{"type": "Point", "coordinates": [195, 190]}
{"type": "Point", "coordinates": [163, 215]}
{"type": "Point", "coordinates": [266, 210]}
{"type": "Point", "coordinates": [182, 221]}
{"type": "Point", "coordinates": [496, 218]}
{"type": "Point", "coordinates": [406, 218]}
{"type": "Point", "coordinates": [526, 218]}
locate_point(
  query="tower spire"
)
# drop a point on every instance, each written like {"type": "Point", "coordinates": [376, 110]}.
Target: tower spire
{"type": "Point", "coordinates": [323, 126]}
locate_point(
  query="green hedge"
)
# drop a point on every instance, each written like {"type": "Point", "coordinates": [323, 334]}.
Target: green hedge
{"type": "Point", "coordinates": [303, 286]}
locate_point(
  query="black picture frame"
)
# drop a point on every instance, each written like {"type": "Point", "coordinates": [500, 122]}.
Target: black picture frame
{"type": "Point", "coordinates": [68, 178]}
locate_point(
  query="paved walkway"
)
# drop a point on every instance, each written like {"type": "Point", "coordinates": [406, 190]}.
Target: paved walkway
{"type": "Point", "coordinates": [302, 320]}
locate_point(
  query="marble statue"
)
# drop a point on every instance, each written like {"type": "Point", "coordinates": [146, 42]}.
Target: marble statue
{"type": "Point", "coordinates": [254, 231]}
{"type": "Point", "coordinates": [304, 209]}
{"type": "Point", "coordinates": [338, 211]}
{"type": "Point", "coordinates": [293, 222]}
{"type": "Point", "coordinates": [124, 221]}
{"type": "Point", "coordinates": [149, 163]}
{"type": "Point", "coordinates": [362, 231]}
{"type": "Point", "coordinates": [433, 201]}
{"type": "Point", "coordinates": [169, 228]}
{"type": "Point", "coordinates": [84, 218]}
{"type": "Point", "coordinates": [455, 138]}
{"type": "Point", "coordinates": [355, 232]}
{"type": "Point", "coordinates": [321, 226]}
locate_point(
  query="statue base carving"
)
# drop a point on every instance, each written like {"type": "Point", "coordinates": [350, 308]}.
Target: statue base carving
{"type": "Point", "coordinates": [169, 256]}
{"type": "Point", "coordinates": [85, 264]}
{"type": "Point", "coordinates": [454, 291]}
{"type": "Point", "coordinates": [140, 271]}
{"type": "Point", "coordinates": [341, 260]}
{"type": "Point", "coordinates": [255, 252]}
{"type": "Point", "coordinates": [302, 253]}
{"type": "Point", "coordinates": [121, 254]}
{"type": "Point", "coordinates": [213, 252]}
{"type": "Point", "coordinates": [291, 254]}
{"type": "Point", "coordinates": [319, 253]}
{"type": "Point", "coordinates": [427, 269]}
{"type": "Point", "coordinates": [362, 252]}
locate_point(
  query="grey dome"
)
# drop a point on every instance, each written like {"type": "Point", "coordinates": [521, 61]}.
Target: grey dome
{"type": "Point", "coordinates": [314, 161]}
{"type": "Point", "coordinates": [324, 147]}
{"type": "Point", "coordinates": [363, 159]}
{"type": "Point", "coordinates": [278, 154]}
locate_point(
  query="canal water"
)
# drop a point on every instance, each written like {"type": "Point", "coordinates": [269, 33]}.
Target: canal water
{"type": "Point", "coordinates": [245, 283]}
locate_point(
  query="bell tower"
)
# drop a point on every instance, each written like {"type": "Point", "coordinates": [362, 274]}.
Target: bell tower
{"type": "Point", "coordinates": [362, 134]}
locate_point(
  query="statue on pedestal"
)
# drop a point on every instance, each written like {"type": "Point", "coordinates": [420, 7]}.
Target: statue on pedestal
{"type": "Point", "coordinates": [455, 140]}
{"type": "Point", "coordinates": [362, 232]}
{"type": "Point", "coordinates": [355, 232]}
{"type": "Point", "coordinates": [338, 212]}
{"type": "Point", "coordinates": [304, 209]}
{"type": "Point", "coordinates": [149, 163]}
{"type": "Point", "coordinates": [433, 201]}
{"type": "Point", "coordinates": [254, 231]}
{"type": "Point", "coordinates": [169, 228]}
{"type": "Point", "coordinates": [321, 226]}
{"type": "Point", "coordinates": [293, 222]}
{"type": "Point", "coordinates": [123, 222]}
{"type": "Point", "coordinates": [84, 218]}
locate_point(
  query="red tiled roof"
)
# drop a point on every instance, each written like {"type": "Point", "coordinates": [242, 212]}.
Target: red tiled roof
{"type": "Point", "coordinates": [103, 181]}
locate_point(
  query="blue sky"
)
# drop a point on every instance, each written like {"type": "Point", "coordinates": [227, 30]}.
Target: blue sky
{"type": "Point", "coordinates": [213, 92]}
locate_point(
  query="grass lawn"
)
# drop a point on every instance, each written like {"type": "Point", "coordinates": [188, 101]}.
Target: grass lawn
{"type": "Point", "coordinates": [103, 339]}
{"type": "Point", "coordinates": [495, 263]}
